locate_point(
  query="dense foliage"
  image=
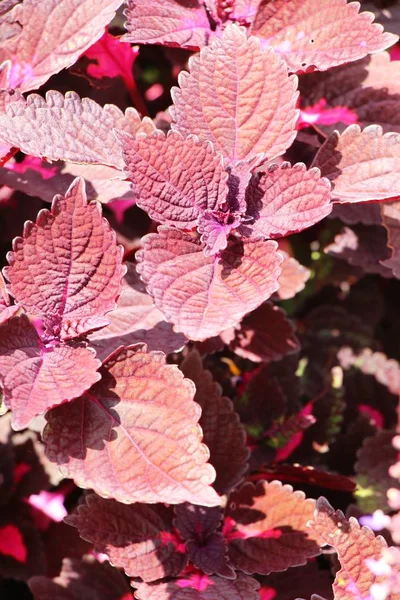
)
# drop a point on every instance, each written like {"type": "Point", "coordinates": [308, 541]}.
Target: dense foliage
{"type": "Point", "coordinates": [199, 302]}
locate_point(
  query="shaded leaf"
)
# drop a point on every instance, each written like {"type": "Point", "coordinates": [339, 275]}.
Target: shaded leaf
{"type": "Point", "coordinates": [311, 34]}
{"type": "Point", "coordinates": [391, 221]}
{"type": "Point", "coordinates": [135, 537]}
{"type": "Point", "coordinates": [67, 267]}
{"type": "Point", "coordinates": [203, 295]}
{"type": "Point", "coordinates": [304, 580]}
{"type": "Point", "coordinates": [238, 97]}
{"type": "Point", "coordinates": [351, 214]}
{"type": "Point", "coordinates": [228, 452]}
{"type": "Point", "coordinates": [134, 436]}
{"type": "Point", "coordinates": [36, 377]}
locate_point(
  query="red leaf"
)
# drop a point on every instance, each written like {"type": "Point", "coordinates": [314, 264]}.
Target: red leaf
{"type": "Point", "coordinates": [176, 178]}
{"type": "Point", "coordinates": [146, 445]}
{"type": "Point", "coordinates": [287, 199]}
{"type": "Point", "coordinates": [265, 334]}
{"type": "Point", "coordinates": [293, 278]}
{"type": "Point", "coordinates": [228, 452]}
{"type": "Point", "coordinates": [135, 319]}
{"type": "Point", "coordinates": [67, 267]}
{"type": "Point", "coordinates": [113, 60]}
{"type": "Point", "coordinates": [54, 34]}
{"type": "Point", "coordinates": [238, 97]}
{"type": "Point", "coordinates": [169, 22]}
{"type": "Point", "coordinates": [266, 528]}
{"type": "Point", "coordinates": [12, 543]}
{"type": "Point", "coordinates": [309, 33]}
{"type": "Point", "coordinates": [361, 165]}
{"type": "Point", "coordinates": [200, 587]}
{"type": "Point", "coordinates": [354, 545]}
{"type": "Point", "coordinates": [135, 537]}
{"type": "Point", "coordinates": [36, 377]}
{"type": "Point", "coordinates": [203, 295]}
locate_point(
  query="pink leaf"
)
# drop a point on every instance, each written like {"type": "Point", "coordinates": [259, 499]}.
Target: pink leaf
{"type": "Point", "coordinates": [203, 295]}
{"type": "Point", "coordinates": [135, 537]}
{"type": "Point", "coordinates": [309, 33]}
{"type": "Point", "coordinates": [264, 335]}
{"type": "Point", "coordinates": [176, 178]}
{"type": "Point", "coordinates": [67, 267]}
{"type": "Point", "coordinates": [200, 587]}
{"type": "Point", "coordinates": [293, 278]}
{"type": "Point", "coordinates": [228, 452]}
{"type": "Point", "coordinates": [215, 228]}
{"type": "Point", "coordinates": [66, 128]}
{"type": "Point", "coordinates": [287, 199]}
{"type": "Point", "coordinates": [113, 59]}
{"type": "Point", "coordinates": [54, 34]}
{"type": "Point", "coordinates": [136, 319]}
{"type": "Point", "coordinates": [238, 97]}
{"type": "Point", "coordinates": [266, 528]}
{"type": "Point", "coordinates": [36, 377]}
{"type": "Point", "coordinates": [6, 311]}
{"type": "Point", "coordinates": [169, 22]}
{"type": "Point", "coordinates": [146, 445]}
{"type": "Point", "coordinates": [361, 165]}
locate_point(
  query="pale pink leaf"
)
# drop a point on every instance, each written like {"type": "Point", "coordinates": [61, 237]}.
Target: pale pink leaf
{"type": "Point", "coordinates": [200, 587]}
{"type": "Point", "coordinates": [67, 268]}
{"type": "Point", "coordinates": [310, 33]}
{"type": "Point", "coordinates": [354, 546]}
{"type": "Point", "coordinates": [66, 128]}
{"type": "Point", "coordinates": [293, 278]}
{"type": "Point", "coordinates": [6, 310]}
{"type": "Point", "coordinates": [204, 295]}
{"type": "Point", "coordinates": [361, 165]}
{"type": "Point", "coordinates": [287, 199]}
{"type": "Point", "coordinates": [54, 34]}
{"type": "Point", "coordinates": [36, 377]}
{"type": "Point", "coordinates": [238, 97]}
{"type": "Point", "coordinates": [181, 23]}
{"type": "Point", "coordinates": [175, 178]}
{"type": "Point", "coordinates": [136, 319]}
{"type": "Point", "coordinates": [135, 537]}
{"type": "Point", "coordinates": [134, 436]}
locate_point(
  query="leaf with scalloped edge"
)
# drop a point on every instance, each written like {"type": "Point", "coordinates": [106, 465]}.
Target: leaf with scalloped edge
{"type": "Point", "coordinates": [362, 165]}
{"type": "Point", "coordinates": [228, 452]}
{"type": "Point", "coordinates": [198, 586]}
{"type": "Point", "coordinates": [264, 335]}
{"type": "Point", "coordinates": [136, 537]}
{"type": "Point", "coordinates": [181, 23]}
{"type": "Point", "coordinates": [36, 377]}
{"type": "Point", "coordinates": [265, 527]}
{"type": "Point", "coordinates": [204, 295]}
{"type": "Point", "coordinates": [60, 127]}
{"type": "Point", "coordinates": [309, 33]}
{"type": "Point", "coordinates": [354, 545]}
{"type": "Point", "coordinates": [176, 178]}
{"type": "Point", "coordinates": [136, 319]}
{"type": "Point", "coordinates": [238, 97]}
{"type": "Point", "coordinates": [293, 278]}
{"type": "Point", "coordinates": [67, 268]}
{"type": "Point", "coordinates": [287, 199]}
{"type": "Point", "coordinates": [54, 34]}
{"type": "Point", "coordinates": [135, 435]}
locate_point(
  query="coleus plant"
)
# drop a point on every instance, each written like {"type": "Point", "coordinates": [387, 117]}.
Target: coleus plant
{"type": "Point", "coordinates": [184, 497]}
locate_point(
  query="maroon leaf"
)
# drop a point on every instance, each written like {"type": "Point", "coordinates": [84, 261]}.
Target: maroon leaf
{"type": "Point", "coordinates": [67, 267]}
{"type": "Point", "coordinates": [293, 278]}
{"type": "Point", "coordinates": [135, 319]}
{"type": "Point", "coordinates": [169, 22]}
{"type": "Point", "coordinates": [200, 587]}
{"type": "Point", "coordinates": [265, 334]}
{"type": "Point", "coordinates": [287, 199]}
{"type": "Point", "coordinates": [310, 34]}
{"type": "Point", "coordinates": [238, 97]}
{"type": "Point", "coordinates": [54, 34]}
{"type": "Point", "coordinates": [302, 580]}
{"type": "Point", "coordinates": [228, 452]}
{"type": "Point", "coordinates": [134, 436]}
{"type": "Point", "coordinates": [203, 295]}
{"type": "Point", "coordinates": [176, 178]}
{"type": "Point", "coordinates": [266, 528]}
{"type": "Point", "coordinates": [82, 579]}
{"type": "Point", "coordinates": [391, 221]}
{"type": "Point", "coordinates": [351, 214]}
{"type": "Point", "coordinates": [135, 537]}
{"type": "Point", "coordinates": [36, 377]}
{"type": "Point", "coordinates": [354, 545]}
{"type": "Point", "coordinates": [361, 165]}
